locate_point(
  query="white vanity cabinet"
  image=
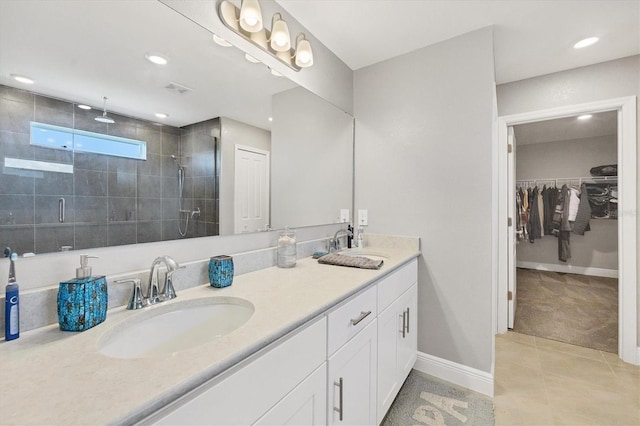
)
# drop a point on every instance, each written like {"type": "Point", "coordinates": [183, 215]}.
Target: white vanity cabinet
{"type": "Point", "coordinates": [277, 385]}
{"type": "Point", "coordinates": [345, 367]}
{"type": "Point", "coordinates": [397, 333]}
{"type": "Point", "coordinates": [352, 361]}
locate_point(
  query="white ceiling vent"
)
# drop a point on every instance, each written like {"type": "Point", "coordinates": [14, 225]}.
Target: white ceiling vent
{"type": "Point", "coordinates": [178, 88]}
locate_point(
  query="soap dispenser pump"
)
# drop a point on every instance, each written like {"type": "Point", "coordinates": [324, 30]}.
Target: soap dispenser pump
{"type": "Point", "coordinates": [84, 271]}
{"type": "Point", "coordinates": [83, 300]}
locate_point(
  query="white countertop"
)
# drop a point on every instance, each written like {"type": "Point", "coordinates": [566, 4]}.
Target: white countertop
{"type": "Point", "coordinates": [49, 376]}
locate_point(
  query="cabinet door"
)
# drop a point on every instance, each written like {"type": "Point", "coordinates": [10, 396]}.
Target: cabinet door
{"type": "Point", "coordinates": [305, 405]}
{"type": "Point", "coordinates": [408, 345]}
{"type": "Point", "coordinates": [352, 380]}
{"type": "Point", "coordinates": [397, 347]}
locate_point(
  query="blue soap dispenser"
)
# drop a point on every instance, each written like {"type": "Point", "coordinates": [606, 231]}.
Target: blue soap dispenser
{"type": "Point", "coordinates": [12, 299]}
{"type": "Point", "coordinates": [83, 300]}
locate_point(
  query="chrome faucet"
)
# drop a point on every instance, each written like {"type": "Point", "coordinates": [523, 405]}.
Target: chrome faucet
{"type": "Point", "coordinates": [334, 243]}
{"type": "Point", "coordinates": [154, 295]}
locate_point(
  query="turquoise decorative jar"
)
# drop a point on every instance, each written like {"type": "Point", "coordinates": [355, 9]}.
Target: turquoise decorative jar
{"type": "Point", "coordinates": [221, 271]}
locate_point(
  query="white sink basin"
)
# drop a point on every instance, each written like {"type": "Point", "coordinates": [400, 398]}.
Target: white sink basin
{"type": "Point", "coordinates": [175, 327]}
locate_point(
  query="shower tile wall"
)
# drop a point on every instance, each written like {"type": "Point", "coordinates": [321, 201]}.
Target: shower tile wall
{"type": "Point", "coordinates": [109, 200]}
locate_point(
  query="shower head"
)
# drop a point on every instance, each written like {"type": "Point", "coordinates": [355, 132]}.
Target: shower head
{"type": "Point", "coordinates": [177, 161]}
{"type": "Point", "coordinates": [104, 118]}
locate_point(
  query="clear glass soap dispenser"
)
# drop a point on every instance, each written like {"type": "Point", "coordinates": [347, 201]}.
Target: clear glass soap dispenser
{"type": "Point", "coordinates": [287, 252]}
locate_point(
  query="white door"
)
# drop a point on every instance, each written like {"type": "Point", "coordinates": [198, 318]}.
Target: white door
{"type": "Point", "coordinates": [251, 189]}
{"type": "Point", "coordinates": [511, 234]}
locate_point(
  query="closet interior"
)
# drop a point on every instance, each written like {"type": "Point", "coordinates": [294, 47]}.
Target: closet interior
{"type": "Point", "coordinates": [567, 230]}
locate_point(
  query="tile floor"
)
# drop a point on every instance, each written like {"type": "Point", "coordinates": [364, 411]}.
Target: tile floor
{"type": "Point", "coordinates": [545, 382]}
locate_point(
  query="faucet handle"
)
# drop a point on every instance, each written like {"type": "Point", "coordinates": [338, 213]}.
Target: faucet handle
{"type": "Point", "coordinates": [169, 292]}
{"type": "Point", "coordinates": [135, 301]}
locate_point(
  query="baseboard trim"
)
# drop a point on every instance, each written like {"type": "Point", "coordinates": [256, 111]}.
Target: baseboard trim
{"type": "Point", "coordinates": [461, 375]}
{"type": "Point", "coordinates": [570, 269]}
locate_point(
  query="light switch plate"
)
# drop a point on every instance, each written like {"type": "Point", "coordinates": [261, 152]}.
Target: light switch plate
{"type": "Point", "coordinates": [363, 217]}
{"type": "Point", "coordinates": [344, 215]}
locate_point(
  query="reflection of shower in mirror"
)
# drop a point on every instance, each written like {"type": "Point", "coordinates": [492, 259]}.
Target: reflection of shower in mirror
{"type": "Point", "coordinates": [188, 214]}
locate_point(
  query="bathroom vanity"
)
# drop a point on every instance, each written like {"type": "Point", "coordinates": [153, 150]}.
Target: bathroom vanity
{"type": "Point", "coordinates": [316, 332]}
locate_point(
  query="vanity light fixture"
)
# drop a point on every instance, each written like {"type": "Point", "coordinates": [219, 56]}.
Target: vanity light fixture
{"type": "Point", "coordinates": [247, 22]}
{"type": "Point", "coordinates": [275, 73]}
{"type": "Point", "coordinates": [584, 117]}
{"type": "Point", "coordinates": [22, 79]}
{"type": "Point", "coordinates": [156, 59]}
{"type": "Point", "coordinates": [82, 106]}
{"type": "Point", "coordinates": [586, 42]}
{"type": "Point", "coordinates": [251, 16]}
{"type": "Point", "coordinates": [304, 54]}
{"type": "Point", "coordinates": [280, 38]}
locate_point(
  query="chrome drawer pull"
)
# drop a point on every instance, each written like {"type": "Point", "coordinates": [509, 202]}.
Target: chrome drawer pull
{"type": "Point", "coordinates": [408, 321]}
{"type": "Point", "coordinates": [339, 409]}
{"type": "Point", "coordinates": [362, 316]}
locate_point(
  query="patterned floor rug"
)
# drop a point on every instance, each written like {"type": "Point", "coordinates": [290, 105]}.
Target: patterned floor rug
{"type": "Point", "coordinates": [576, 309]}
{"type": "Point", "coordinates": [426, 400]}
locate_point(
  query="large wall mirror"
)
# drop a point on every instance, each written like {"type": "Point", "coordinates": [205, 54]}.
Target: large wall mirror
{"type": "Point", "coordinates": [239, 150]}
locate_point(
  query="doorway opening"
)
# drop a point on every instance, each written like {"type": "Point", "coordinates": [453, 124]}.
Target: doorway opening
{"type": "Point", "coordinates": [625, 109]}
{"type": "Point", "coordinates": [565, 230]}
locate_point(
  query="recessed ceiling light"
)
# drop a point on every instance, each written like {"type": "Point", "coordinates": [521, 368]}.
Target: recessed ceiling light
{"type": "Point", "coordinates": [81, 106]}
{"type": "Point", "coordinates": [220, 41]}
{"type": "Point", "coordinates": [584, 117]}
{"type": "Point", "coordinates": [161, 115]}
{"type": "Point", "coordinates": [22, 78]}
{"type": "Point", "coordinates": [586, 42]}
{"type": "Point", "coordinates": [270, 118]}
{"type": "Point", "coordinates": [156, 59]}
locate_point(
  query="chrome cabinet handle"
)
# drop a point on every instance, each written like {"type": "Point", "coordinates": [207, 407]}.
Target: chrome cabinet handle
{"type": "Point", "coordinates": [339, 384]}
{"type": "Point", "coordinates": [61, 209]}
{"type": "Point", "coordinates": [408, 321]}
{"type": "Point", "coordinates": [362, 316]}
{"type": "Point", "coordinates": [404, 324]}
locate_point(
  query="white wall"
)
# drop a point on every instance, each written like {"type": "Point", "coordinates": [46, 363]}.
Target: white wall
{"type": "Point", "coordinates": [597, 248]}
{"type": "Point", "coordinates": [606, 80]}
{"type": "Point", "coordinates": [312, 161]}
{"type": "Point", "coordinates": [424, 168]}
{"type": "Point", "coordinates": [234, 133]}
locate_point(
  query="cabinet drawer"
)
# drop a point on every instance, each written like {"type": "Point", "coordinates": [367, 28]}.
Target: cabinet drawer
{"type": "Point", "coordinates": [351, 317]}
{"type": "Point", "coordinates": [393, 285]}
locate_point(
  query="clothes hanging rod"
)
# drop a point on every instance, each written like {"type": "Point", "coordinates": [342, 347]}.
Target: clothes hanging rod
{"type": "Point", "coordinates": [570, 179]}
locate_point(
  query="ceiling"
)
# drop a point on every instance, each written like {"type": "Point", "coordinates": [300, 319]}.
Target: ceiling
{"type": "Point", "coordinates": [84, 50]}
{"type": "Point", "coordinates": [568, 128]}
{"type": "Point", "coordinates": [531, 37]}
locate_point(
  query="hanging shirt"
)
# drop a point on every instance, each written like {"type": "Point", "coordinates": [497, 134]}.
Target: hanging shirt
{"type": "Point", "coordinates": [574, 203]}
{"type": "Point", "coordinates": [541, 212]}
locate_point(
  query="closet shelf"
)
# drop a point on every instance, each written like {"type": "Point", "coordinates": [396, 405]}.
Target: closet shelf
{"type": "Point", "coordinates": [594, 179]}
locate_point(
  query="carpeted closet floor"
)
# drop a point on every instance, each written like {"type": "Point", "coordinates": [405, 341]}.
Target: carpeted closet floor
{"type": "Point", "coordinates": [577, 309]}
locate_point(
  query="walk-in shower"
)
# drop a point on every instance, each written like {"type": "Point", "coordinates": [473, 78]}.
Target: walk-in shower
{"type": "Point", "coordinates": [183, 213]}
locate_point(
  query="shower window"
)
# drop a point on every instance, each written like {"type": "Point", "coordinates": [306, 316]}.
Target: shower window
{"type": "Point", "coordinates": [64, 138]}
